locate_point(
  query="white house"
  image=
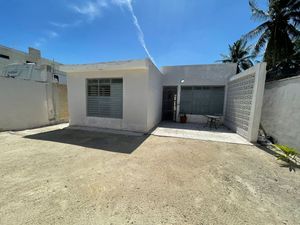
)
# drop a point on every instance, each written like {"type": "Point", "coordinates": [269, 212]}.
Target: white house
{"type": "Point", "coordinates": [131, 95]}
{"type": "Point", "coordinates": [135, 95]}
{"type": "Point", "coordinates": [118, 95]}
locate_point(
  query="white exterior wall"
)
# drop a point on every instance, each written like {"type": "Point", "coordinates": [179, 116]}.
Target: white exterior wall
{"type": "Point", "coordinates": [154, 106]}
{"type": "Point", "coordinates": [201, 75]}
{"type": "Point", "coordinates": [23, 104]}
{"type": "Point", "coordinates": [135, 91]}
{"type": "Point", "coordinates": [28, 104]}
{"type": "Point", "coordinates": [281, 111]}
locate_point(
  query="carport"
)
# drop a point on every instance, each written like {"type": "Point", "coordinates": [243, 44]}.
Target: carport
{"type": "Point", "coordinates": [236, 99]}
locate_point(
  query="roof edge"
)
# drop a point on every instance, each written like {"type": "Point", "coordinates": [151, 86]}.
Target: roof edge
{"type": "Point", "coordinates": [197, 65]}
{"type": "Point", "coordinates": [113, 65]}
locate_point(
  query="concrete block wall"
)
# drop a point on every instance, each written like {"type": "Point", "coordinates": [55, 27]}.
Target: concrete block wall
{"type": "Point", "coordinates": [244, 101]}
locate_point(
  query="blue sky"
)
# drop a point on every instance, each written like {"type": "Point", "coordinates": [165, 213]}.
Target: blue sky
{"type": "Point", "coordinates": [175, 32]}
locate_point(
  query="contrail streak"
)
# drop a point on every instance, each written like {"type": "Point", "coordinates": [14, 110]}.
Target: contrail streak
{"type": "Point", "coordinates": [139, 30]}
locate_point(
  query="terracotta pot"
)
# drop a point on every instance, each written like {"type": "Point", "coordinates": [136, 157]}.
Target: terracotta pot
{"type": "Point", "coordinates": [183, 119]}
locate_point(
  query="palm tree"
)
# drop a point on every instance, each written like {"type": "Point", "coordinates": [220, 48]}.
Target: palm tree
{"type": "Point", "coordinates": [279, 28]}
{"type": "Point", "coordinates": [239, 53]}
{"type": "Point", "coordinates": [297, 47]}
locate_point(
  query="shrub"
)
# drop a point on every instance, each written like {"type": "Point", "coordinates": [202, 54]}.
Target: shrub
{"type": "Point", "coordinates": [288, 154]}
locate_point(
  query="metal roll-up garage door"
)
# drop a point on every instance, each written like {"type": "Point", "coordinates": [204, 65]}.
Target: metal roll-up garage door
{"type": "Point", "coordinates": [202, 100]}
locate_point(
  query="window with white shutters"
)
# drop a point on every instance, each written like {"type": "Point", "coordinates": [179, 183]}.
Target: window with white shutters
{"type": "Point", "coordinates": [105, 98]}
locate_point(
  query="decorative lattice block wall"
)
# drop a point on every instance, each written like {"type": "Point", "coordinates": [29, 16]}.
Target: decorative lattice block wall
{"type": "Point", "coordinates": [244, 101]}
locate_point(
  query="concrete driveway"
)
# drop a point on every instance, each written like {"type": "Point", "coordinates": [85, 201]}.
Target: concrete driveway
{"type": "Point", "coordinates": [198, 132]}
{"type": "Point", "coordinates": [61, 176]}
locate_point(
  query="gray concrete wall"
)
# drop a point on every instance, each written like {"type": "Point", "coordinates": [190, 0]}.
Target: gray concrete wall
{"type": "Point", "coordinates": [213, 74]}
{"type": "Point", "coordinates": [281, 111]}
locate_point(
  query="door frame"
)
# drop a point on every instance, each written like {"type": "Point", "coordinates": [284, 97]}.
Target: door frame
{"type": "Point", "coordinates": [175, 102]}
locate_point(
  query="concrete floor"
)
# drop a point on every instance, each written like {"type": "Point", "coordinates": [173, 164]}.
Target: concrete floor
{"type": "Point", "coordinates": [62, 176]}
{"type": "Point", "coordinates": [198, 132]}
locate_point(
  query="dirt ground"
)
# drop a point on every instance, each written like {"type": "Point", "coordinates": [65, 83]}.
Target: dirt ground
{"type": "Point", "coordinates": [64, 176]}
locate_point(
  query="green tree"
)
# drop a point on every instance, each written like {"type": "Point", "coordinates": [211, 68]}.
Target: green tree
{"type": "Point", "coordinates": [279, 27]}
{"type": "Point", "coordinates": [239, 53]}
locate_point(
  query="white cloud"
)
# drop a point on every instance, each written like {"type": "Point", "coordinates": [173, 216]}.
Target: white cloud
{"type": "Point", "coordinates": [90, 9]}
{"type": "Point", "coordinates": [39, 42]}
{"type": "Point", "coordinates": [66, 25]}
{"type": "Point", "coordinates": [122, 2]}
{"type": "Point", "coordinates": [52, 34]}
{"type": "Point", "coordinates": [49, 34]}
{"type": "Point", "coordinates": [93, 9]}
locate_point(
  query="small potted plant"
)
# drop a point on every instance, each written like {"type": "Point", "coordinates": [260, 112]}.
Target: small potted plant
{"type": "Point", "coordinates": [183, 118]}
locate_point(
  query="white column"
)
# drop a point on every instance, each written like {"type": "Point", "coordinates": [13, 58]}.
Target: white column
{"type": "Point", "coordinates": [178, 102]}
{"type": "Point", "coordinates": [257, 101]}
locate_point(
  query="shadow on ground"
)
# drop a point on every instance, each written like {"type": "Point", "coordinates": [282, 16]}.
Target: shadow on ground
{"type": "Point", "coordinates": [97, 140]}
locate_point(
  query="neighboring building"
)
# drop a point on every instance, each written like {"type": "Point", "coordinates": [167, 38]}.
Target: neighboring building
{"type": "Point", "coordinates": [134, 95]}
{"type": "Point", "coordinates": [31, 71]}
{"type": "Point", "coordinates": [13, 56]}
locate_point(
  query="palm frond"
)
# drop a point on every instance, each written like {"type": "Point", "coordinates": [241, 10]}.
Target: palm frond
{"type": "Point", "coordinates": [258, 30]}
{"type": "Point", "coordinates": [261, 42]}
{"type": "Point", "coordinates": [250, 57]}
{"type": "Point", "coordinates": [292, 31]}
{"type": "Point", "coordinates": [295, 17]}
{"type": "Point", "coordinates": [246, 64]}
{"type": "Point", "coordinates": [239, 53]}
{"type": "Point", "coordinates": [294, 5]}
{"type": "Point", "coordinates": [257, 14]}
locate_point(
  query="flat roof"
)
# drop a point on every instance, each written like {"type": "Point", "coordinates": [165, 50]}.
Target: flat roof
{"type": "Point", "coordinates": [116, 65]}
{"type": "Point", "coordinates": [133, 64]}
{"type": "Point", "coordinates": [200, 65]}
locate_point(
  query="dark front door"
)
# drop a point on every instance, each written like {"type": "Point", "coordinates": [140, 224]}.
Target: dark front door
{"type": "Point", "coordinates": [169, 103]}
